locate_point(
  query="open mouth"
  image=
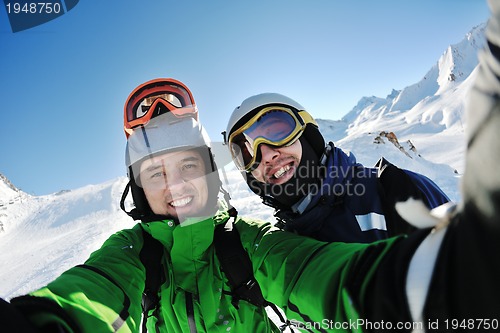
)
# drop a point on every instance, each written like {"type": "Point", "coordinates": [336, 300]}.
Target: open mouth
{"type": "Point", "coordinates": [282, 173]}
{"type": "Point", "coordinates": [182, 202]}
{"type": "Point", "coordinates": [278, 174]}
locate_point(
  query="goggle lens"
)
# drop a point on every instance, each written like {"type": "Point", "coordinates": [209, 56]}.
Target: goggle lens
{"type": "Point", "coordinates": [273, 126]}
{"type": "Point", "coordinates": [276, 126]}
{"type": "Point", "coordinates": [145, 104]}
{"type": "Point", "coordinates": [157, 97]}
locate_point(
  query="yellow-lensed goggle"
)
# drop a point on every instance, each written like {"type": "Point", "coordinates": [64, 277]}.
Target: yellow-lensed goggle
{"type": "Point", "coordinates": [276, 126]}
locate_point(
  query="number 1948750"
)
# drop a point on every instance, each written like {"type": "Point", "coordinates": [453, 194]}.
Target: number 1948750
{"type": "Point", "coordinates": [33, 8]}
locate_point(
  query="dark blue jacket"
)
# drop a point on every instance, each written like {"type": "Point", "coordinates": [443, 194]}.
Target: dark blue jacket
{"type": "Point", "coordinates": [356, 203]}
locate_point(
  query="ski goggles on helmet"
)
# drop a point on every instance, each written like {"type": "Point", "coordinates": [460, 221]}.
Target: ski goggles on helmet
{"type": "Point", "coordinates": [156, 97]}
{"type": "Point", "coordinates": [274, 125]}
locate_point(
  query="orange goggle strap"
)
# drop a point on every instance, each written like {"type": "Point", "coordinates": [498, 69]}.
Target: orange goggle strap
{"type": "Point", "coordinates": [301, 118]}
{"type": "Point", "coordinates": [157, 87]}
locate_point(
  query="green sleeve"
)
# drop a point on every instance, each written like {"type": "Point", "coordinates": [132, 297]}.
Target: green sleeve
{"type": "Point", "coordinates": [104, 294]}
{"type": "Point", "coordinates": [307, 278]}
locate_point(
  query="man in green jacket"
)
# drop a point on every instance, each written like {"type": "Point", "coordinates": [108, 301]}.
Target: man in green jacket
{"type": "Point", "coordinates": [175, 185]}
{"type": "Point", "coordinates": [443, 277]}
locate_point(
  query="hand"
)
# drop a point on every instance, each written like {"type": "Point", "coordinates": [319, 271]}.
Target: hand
{"type": "Point", "coordinates": [12, 320]}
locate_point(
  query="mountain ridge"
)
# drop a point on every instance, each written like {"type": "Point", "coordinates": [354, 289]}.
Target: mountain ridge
{"type": "Point", "coordinates": [427, 113]}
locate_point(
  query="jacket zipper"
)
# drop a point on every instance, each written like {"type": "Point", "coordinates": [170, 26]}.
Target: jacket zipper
{"type": "Point", "coordinates": [190, 313]}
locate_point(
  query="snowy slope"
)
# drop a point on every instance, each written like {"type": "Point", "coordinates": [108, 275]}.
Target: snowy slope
{"type": "Point", "coordinates": [7, 190]}
{"type": "Point", "coordinates": [41, 236]}
{"type": "Point", "coordinates": [9, 195]}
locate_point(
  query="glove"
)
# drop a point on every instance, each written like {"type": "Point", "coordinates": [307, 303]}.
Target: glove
{"type": "Point", "coordinates": [12, 320]}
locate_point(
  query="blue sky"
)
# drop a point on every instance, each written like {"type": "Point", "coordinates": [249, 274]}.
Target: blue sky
{"type": "Point", "coordinates": [63, 84]}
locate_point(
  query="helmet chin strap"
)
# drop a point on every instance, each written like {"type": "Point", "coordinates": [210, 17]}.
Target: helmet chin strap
{"type": "Point", "coordinates": [227, 197]}
{"type": "Point", "coordinates": [134, 212]}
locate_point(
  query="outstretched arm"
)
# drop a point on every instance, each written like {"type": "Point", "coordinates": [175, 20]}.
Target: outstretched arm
{"type": "Point", "coordinates": [313, 282]}
{"type": "Point", "coordinates": [102, 295]}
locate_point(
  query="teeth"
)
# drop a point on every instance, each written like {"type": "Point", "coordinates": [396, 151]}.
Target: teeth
{"type": "Point", "coordinates": [281, 171]}
{"type": "Point", "coordinates": [181, 202]}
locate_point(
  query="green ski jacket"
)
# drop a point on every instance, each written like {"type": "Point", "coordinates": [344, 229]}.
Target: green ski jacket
{"type": "Point", "coordinates": [308, 279]}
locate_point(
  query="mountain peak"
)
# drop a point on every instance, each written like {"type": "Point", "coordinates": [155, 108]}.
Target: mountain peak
{"type": "Point", "coordinates": [394, 93]}
{"type": "Point", "coordinates": [454, 66]}
{"type": "Point", "coordinates": [7, 189]}
{"type": "Point", "coordinates": [459, 60]}
{"type": "Point", "coordinates": [428, 114]}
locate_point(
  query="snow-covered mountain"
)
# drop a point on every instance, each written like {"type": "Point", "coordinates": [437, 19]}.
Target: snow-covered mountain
{"type": "Point", "coordinates": [42, 236]}
{"type": "Point", "coordinates": [420, 127]}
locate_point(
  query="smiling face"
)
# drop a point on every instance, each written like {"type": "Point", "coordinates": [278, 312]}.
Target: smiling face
{"type": "Point", "coordinates": [278, 165]}
{"type": "Point", "coordinates": [175, 184]}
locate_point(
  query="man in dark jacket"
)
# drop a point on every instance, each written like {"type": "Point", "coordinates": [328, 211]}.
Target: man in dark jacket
{"type": "Point", "coordinates": [318, 190]}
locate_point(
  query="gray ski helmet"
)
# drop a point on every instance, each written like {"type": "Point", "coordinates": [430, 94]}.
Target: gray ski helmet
{"type": "Point", "coordinates": [250, 106]}
{"type": "Point", "coordinates": [163, 134]}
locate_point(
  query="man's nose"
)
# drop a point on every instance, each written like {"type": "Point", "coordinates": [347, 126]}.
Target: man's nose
{"type": "Point", "coordinates": [268, 153]}
{"type": "Point", "coordinates": [176, 179]}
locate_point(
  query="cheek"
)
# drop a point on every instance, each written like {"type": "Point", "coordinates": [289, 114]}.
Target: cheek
{"type": "Point", "coordinates": [294, 150]}
{"type": "Point", "coordinates": [205, 193]}
{"type": "Point", "coordinates": [155, 201]}
{"type": "Point", "coordinates": [258, 173]}
{"type": "Point", "coordinates": [202, 188]}
{"type": "Point", "coordinates": [149, 196]}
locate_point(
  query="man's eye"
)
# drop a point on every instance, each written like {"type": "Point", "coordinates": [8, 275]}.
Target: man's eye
{"type": "Point", "coordinates": [157, 175]}
{"type": "Point", "coordinates": [189, 167]}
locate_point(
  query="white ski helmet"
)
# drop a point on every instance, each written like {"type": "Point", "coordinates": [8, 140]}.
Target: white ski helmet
{"type": "Point", "coordinates": [163, 134]}
{"type": "Point", "coordinates": [250, 106]}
